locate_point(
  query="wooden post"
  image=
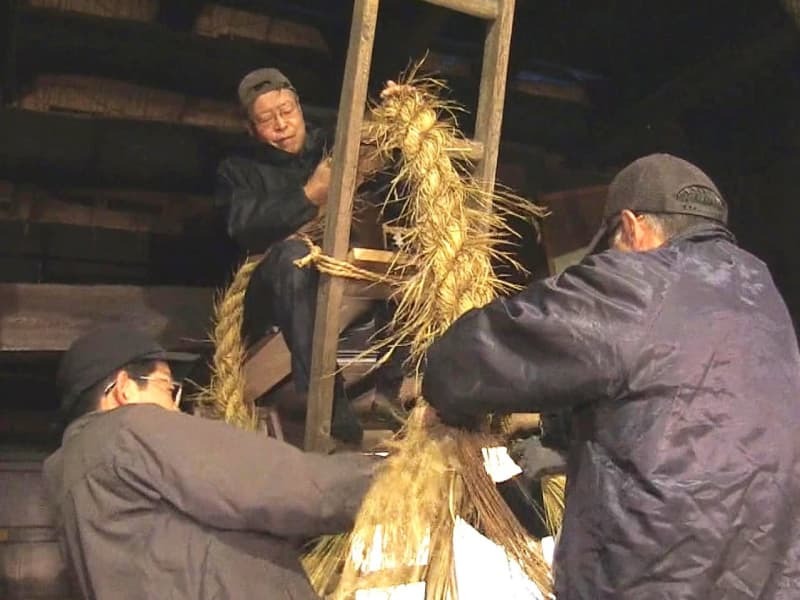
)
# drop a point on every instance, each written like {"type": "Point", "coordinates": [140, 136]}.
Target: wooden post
{"type": "Point", "coordinates": [491, 99]}
{"type": "Point", "coordinates": [339, 216]}
{"type": "Point", "coordinates": [483, 9]}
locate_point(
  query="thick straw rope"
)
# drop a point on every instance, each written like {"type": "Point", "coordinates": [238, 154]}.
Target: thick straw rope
{"type": "Point", "coordinates": [224, 397]}
{"type": "Point", "coordinates": [435, 473]}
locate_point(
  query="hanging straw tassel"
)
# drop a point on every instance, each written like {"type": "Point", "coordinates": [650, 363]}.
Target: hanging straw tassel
{"type": "Point", "coordinates": [434, 473]}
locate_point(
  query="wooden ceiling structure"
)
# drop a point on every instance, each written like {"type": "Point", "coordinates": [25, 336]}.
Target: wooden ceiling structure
{"type": "Point", "coordinates": [113, 116]}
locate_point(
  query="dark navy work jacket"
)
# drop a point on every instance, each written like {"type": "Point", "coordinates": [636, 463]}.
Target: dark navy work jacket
{"type": "Point", "coordinates": [681, 366]}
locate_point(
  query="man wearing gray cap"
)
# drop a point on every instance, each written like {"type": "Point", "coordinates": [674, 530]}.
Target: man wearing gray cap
{"type": "Point", "coordinates": [268, 192]}
{"type": "Point", "coordinates": [677, 357]}
{"type": "Point", "coordinates": [155, 503]}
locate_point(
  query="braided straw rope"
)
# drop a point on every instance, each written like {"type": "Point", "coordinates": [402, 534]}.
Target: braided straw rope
{"type": "Point", "coordinates": [224, 397]}
{"type": "Point", "coordinates": [435, 473]}
{"type": "Point", "coordinates": [339, 268]}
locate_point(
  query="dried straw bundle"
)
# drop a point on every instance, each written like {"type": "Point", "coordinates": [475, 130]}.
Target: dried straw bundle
{"type": "Point", "coordinates": [224, 397]}
{"type": "Point", "coordinates": [435, 473]}
{"type": "Point", "coordinates": [553, 495]}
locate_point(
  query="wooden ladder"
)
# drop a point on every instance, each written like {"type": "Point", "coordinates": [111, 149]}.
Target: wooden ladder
{"type": "Point", "coordinates": [499, 15]}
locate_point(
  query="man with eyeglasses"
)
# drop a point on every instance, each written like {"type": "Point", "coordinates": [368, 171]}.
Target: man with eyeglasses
{"type": "Point", "coordinates": [155, 503]}
{"type": "Point", "coordinates": [676, 356]}
{"type": "Point", "coordinates": [268, 192]}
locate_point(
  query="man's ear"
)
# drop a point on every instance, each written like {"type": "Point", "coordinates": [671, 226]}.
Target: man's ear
{"type": "Point", "coordinates": [629, 225]}
{"type": "Point", "coordinates": [116, 395]}
{"type": "Point", "coordinates": [124, 392]}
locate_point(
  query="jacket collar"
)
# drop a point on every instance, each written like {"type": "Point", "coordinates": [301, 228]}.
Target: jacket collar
{"type": "Point", "coordinates": [703, 232]}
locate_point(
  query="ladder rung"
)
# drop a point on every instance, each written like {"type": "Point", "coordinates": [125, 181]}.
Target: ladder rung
{"type": "Point", "coordinates": [483, 9]}
{"type": "Point", "coordinates": [475, 151]}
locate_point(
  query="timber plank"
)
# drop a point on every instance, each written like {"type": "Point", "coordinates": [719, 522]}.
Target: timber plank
{"type": "Point", "coordinates": [483, 9]}
{"type": "Point", "coordinates": [197, 65]}
{"type": "Point", "coordinates": [140, 211]}
{"type": "Point", "coordinates": [49, 317]}
{"type": "Point", "coordinates": [270, 361]}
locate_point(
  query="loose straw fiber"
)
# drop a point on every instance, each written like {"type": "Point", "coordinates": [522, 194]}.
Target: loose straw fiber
{"type": "Point", "coordinates": [434, 473]}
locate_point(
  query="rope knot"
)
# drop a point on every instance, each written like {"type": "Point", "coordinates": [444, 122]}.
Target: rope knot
{"type": "Point", "coordinates": [313, 256]}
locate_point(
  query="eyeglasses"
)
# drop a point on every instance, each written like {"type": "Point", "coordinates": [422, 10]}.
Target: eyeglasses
{"type": "Point", "coordinates": [175, 387]}
{"type": "Point", "coordinates": [284, 111]}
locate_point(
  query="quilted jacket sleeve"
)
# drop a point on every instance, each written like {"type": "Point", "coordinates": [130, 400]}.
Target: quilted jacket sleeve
{"type": "Point", "coordinates": [557, 344]}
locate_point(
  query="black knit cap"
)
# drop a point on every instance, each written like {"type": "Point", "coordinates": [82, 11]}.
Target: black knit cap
{"type": "Point", "coordinates": [260, 82]}
{"type": "Point", "coordinates": [659, 183]}
{"type": "Point", "coordinates": [100, 353]}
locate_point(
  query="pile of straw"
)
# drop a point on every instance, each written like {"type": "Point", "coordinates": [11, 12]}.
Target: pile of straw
{"type": "Point", "coordinates": [434, 473]}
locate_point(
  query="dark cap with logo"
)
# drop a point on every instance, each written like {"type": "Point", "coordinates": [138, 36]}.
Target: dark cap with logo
{"type": "Point", "coordinates": [100, 353]}
{"type": "Point", "coordinates": [260, 82]}
{"type": "Point", "coordinates": [659, 183]}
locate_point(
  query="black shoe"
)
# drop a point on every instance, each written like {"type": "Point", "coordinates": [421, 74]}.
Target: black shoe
{"type": "Point", "coordinates": [345, 425]}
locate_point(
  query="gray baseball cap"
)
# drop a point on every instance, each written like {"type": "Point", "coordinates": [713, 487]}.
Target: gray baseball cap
{"type": "Point", "coordinates": [260, 82]}
{"type": "Point", "coordinates": [659, 183]}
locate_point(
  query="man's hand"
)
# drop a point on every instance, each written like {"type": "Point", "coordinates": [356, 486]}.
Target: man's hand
{"type": "Point", "coordinates": [369, 163]}
{"type": "Point", "coordinates": [316, 188]}
{"type": "Point", "coordinates": [391, 88]}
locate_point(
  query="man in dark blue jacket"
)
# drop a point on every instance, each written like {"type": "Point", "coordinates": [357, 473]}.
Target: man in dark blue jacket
{"type": "Point", "coordinates": [268, 193]}
{"type": "Point", "coordinates": [678, 358]}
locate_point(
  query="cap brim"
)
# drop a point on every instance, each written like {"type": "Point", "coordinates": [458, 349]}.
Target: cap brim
{"type": "Point", "coordinates": [599, 242]}
{"type": "Point", "coordinates": [181, 362]}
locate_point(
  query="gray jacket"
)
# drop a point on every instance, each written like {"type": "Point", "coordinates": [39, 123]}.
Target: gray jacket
{"type": "Point", "coordinates": [155, 504]}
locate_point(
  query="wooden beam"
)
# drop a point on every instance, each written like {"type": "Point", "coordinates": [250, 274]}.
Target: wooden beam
{"type": "Point", "coordinates": [491, 97]}
{"type": "Point", "coordinates": [197, 65]}
{"type": "Point", "coordinates": [49, 317]}
{"type": "Point", "coordinates": [483, 9]}
{"type": "Point", "coordinates": [143, 212]}
{"type": "Point", "coordinates": [339, 217]}
{"type": "Point", "coordinates": [108, 152]}
{"type": "Point", "coordinates": [69, 150]}
{"type": "Point", "coordinates": [567, 92]}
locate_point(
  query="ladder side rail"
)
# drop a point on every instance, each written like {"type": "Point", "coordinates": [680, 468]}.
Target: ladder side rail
{"type": "Point", "coordinates": [337, 227]}
{"type": "Point", "coordinates": [491, 98]}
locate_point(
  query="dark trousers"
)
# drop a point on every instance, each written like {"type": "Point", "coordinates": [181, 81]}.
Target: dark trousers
{"type": "Point", "coordinates": [283, 295]}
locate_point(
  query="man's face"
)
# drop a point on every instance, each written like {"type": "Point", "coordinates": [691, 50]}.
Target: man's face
{"type": "Point", "coordinates": [157, 387]}
{"type": "Point", "coordinates": [160, 388]}
{"type": "Point", "coordinates": [277, 119]}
